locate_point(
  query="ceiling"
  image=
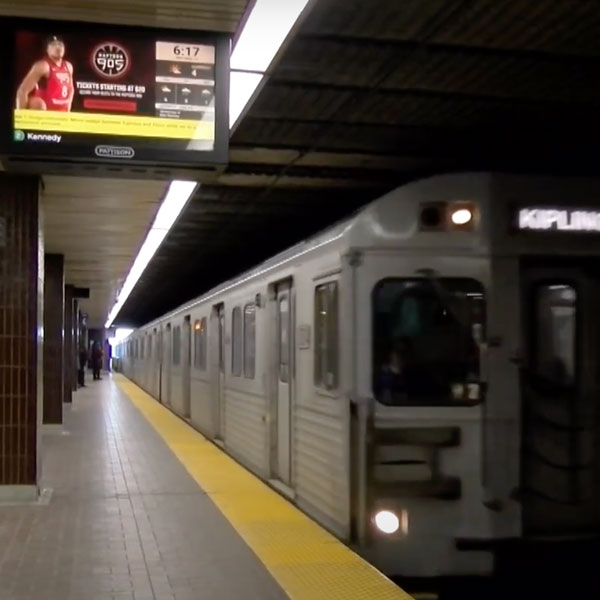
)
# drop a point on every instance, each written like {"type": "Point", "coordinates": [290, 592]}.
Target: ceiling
{"type": "Point", "coordinates": [99, 226]}
{"type": "Point", "coordinates": [209, 15]}
{"type": "Point", "coordinates": [369, 95]}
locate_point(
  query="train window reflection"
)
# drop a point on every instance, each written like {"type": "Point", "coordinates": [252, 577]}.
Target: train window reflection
{"type": "Point", "coordinates": [249, 341]}
{"type": "Point", "coordinates": [236, 345]}
{"type": "Point", "coordinates": [176, 345]}
{"type": "Point", "coordinates": [426, 338]}
{"type": "Point", "coordinates": [200, 344]}
{"type": "Point", "coordinates": [555, 319]}
{"type": "Point", "coordinates": [326, 336]}
{"type": "Point", "coordinates": [284, 341]}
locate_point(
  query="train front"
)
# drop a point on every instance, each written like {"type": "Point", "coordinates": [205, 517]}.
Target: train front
{"type": "Point", "coordinates": [475, 420]}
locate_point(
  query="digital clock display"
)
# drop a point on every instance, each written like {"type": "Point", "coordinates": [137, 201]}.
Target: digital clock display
{"type": "Point", "coordinates": [187, 50]}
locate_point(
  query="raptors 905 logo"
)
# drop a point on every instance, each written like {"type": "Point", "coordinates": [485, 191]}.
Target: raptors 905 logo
{"type": "Point", "coordinates": [110, 60]}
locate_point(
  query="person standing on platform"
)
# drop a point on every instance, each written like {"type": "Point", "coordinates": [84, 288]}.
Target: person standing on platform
{"type": "Point", "coordinates": [97, 354]}
{"type": "Point", "coordinates": [83, 359]}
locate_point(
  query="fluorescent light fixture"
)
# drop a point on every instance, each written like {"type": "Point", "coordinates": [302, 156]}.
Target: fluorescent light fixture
{"type": "Point", "coordinates": [242, 86]}
{"type": "Point", "coordinates": [264, 32]}
{"type": "Point", "coordinates": [177, 197]}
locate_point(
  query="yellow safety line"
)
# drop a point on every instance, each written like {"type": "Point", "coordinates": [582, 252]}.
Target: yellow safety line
{"type": "Point", "coordinates": [306, 561]}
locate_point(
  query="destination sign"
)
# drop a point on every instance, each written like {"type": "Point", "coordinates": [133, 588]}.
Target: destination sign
{"type": "Point", "coordinates": [558, 219]}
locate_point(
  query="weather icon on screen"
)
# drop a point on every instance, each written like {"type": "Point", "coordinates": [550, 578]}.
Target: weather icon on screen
{"type": "Point", "coordinates": [166, 91]}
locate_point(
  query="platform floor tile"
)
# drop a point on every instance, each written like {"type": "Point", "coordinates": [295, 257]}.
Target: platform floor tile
{"type": "Point", "coordinates": [125, 520]}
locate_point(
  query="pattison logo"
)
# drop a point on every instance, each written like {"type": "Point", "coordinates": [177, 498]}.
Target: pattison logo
{"type": "Point", "coordinates": [114, 151]}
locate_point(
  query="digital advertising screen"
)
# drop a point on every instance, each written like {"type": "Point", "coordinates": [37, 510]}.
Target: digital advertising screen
{"type": "Point", "coordinates": [115, 94]}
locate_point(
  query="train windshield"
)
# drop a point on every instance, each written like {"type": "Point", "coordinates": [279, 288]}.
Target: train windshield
{"type": "Point", "coordinates": [426, 339]}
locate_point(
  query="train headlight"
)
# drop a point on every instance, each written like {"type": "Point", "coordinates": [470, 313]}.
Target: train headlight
{"type": "Point", "coordinates": [387, 521]}
{"type": "Point", "coordinates": [461, 216]}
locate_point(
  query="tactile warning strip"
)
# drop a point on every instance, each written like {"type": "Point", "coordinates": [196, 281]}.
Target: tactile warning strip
{"type": "Point", "coordinates": [306, 561]}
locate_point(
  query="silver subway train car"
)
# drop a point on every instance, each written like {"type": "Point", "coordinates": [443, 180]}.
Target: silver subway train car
{"type": "Point", "coordinates": [421, 379]}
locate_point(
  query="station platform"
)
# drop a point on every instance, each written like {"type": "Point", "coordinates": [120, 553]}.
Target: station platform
{"type": "Point", "coordinates": [137, 505]}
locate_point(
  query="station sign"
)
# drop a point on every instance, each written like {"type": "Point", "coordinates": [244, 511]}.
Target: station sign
{"type": "Point", "coordinates": [118, 94]}
{"type": "Point", "coordinates": [558, 219]}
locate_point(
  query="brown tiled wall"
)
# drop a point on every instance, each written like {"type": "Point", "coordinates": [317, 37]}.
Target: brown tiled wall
{"type": "Point", "coordinates": [54, 314]}
{"type": "Point", "coordinates": [68, 359]}
{"type": "Point", "coordinates": [21, 298]}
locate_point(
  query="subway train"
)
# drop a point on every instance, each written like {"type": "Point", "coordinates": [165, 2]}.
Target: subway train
{"type": "Point", "coordinates": [422, 379]}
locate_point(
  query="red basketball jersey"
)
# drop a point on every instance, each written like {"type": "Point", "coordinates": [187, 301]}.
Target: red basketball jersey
{"type": "Point", "coordinates": [59, 87]}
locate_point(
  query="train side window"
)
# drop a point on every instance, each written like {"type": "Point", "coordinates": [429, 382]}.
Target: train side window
{"type": "Point", "coordinates": [200, 344]}
{"type": "Point", "coordinates": [150, 346]}
{"type": "Point", "coordinates": [137, 349]}
{"type": "Point", "coordinates": [326, 335]}
{"type": "Point", "coordinates": [555, 333]}
{"type": "Point", "coordinates": [142, 348]}
{"type": "Point", "coordinates": [284, 339]}
{"type": "Point", "coordinates": [176, 345]}
{"type": "Point", "coordinates": [236, 342]}
{"type": "Point", "coordinates": [249, 341]}
{"type": "Point", "coordinates": [427, 335]}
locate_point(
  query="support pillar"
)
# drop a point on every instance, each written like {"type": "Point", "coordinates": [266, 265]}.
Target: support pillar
{"type": "Point", "coordinates": [75, 363]}
{"type": "Point", "coordinates": [68, 365]}
{"type": "Point", "coordinates": [21, 342]}
{"type": "Point", "coordinates": [54, 314]}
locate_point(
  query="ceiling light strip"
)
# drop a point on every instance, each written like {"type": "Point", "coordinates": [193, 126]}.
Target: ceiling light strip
{"type": "Point", "coordinates": [174, 202]}
{"type": "Point", "coordinates": [264, 32]}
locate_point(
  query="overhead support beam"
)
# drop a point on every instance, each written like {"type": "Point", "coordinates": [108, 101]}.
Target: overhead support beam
{"type": "Point", "coordinates": [350, 160]}
{"type": "Point", "coordinates": [363, 43]}
{"type": "Point", "coordinates": [392, 89]}
{"type": "Point", "coordinates": [287, 181]}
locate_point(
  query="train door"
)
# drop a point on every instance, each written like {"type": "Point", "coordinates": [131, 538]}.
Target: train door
{"type": "Point", "coordinates": [284, 387]}
{"type": "Point", "coordinates": [217, 362]}
{"type": "Point", "coordinates": [187, 362]}
{"type": "Point", "coordinates": [154, 363]}
{"type": "Point", "coordinates": [167, 365]}
{"type": "Point", "coordinates": [160, 360]}
{"type": "Point", "coordinates": [560, 461]}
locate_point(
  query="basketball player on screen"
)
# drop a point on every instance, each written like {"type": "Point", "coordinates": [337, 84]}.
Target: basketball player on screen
{"type": "Point", "coordinates": [57, 75]}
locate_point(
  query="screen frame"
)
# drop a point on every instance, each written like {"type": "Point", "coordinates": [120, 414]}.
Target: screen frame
{"type": "Point", "coordinates": [85, 152]}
